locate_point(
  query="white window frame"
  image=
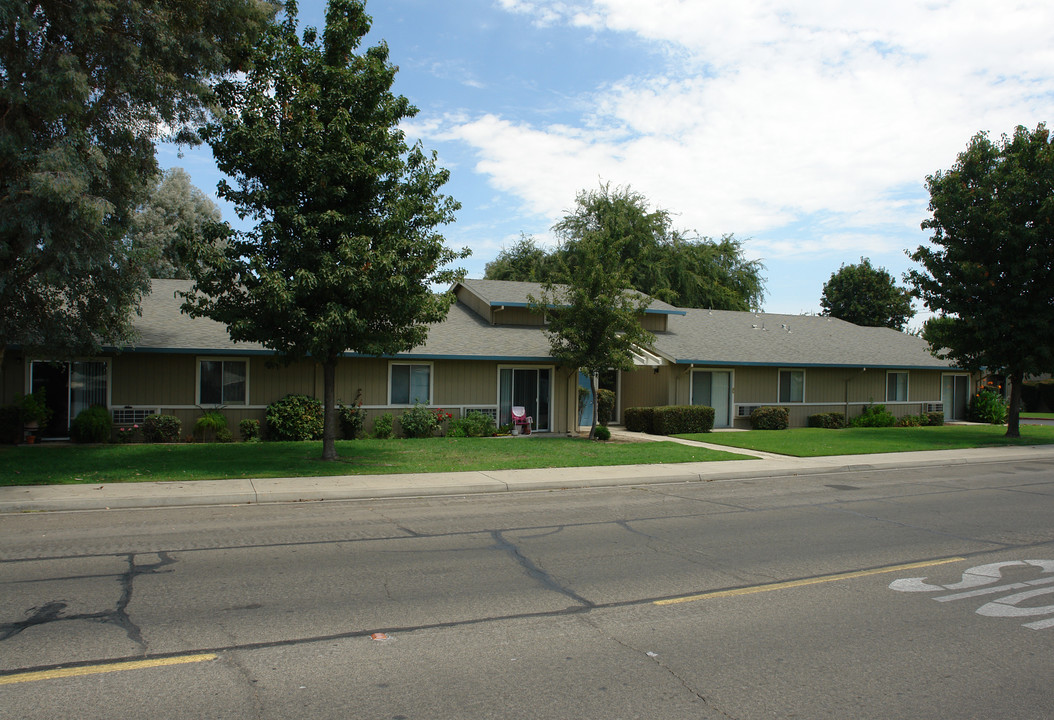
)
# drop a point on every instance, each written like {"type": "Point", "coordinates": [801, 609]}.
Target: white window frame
{"type": "Point", "coordinates": [779, 386]}
{"type": "Point", "coordinates": [431, 380]}
{"type": "Point", "coordinates": [907, 385]}
{"type": "Point", "coordinates": [197, 381]}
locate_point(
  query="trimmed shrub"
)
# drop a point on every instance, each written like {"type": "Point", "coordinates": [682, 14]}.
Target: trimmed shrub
{"type": "Point", "coordinates": [605, 406]}
{"type": "Point", "coordinates": [383, 426]}
{"type": "Point", "coordinates": [208, 426]}
{"type": "Point", "coordinates": [224, 435]}
{"type": "Point", "coordinates": [770, 418]}
{"type": "Point", "coordinates": [420, 422]}
{"type": "Point", "coordinates": [601, 433]}
{"type": "Point", "coordinates": [162, 428]}
{"type": "Point", "coordinates": [988, 406]}
{"type": "Point", "coordinates": [250, 429]}
{"type": "Point", "coordinates": [295, 417]}
{"type": "Point", "coordinates": [640, 419]}
{"type": "Point", "coordinates": [92, 425]}
{"type": "Point", "coordinates": [910, 421]}
{"type": "Point", "coordinates": [932, 419]}
{"type": "Point", "coordinates": [874, 416]}
{"type": "Point", "coordinates": [670, 419]}
{"type": "Point", "coordinates": [1038, 396]}
{"type": "Point", "coordinates": [474, 424]}
{"type": "Point", "coordinates": [10, 424]}
{"type": "Point", "coordinates": [352, 420]}
{"type": "Point", "coordinates": [679, 419]}
{"type": "Point", "coordinates": [830, 421]}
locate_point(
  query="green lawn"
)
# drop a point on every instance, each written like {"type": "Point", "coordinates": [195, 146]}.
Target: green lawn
{"type": "Point", "coordinates": [47, 465]}
{"type": "Point", "coordinates": [1038, 416]}
{"type": "Point", "coordinates": [814, 442]}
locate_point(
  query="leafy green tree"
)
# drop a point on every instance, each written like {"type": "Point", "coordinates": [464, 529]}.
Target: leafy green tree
{"type": "Point", "coordinates": [86, 87]}
{"type": "Point", "coordinates": [868, 296]}
{"type": "Point", "coordinates": [174, 217]}
{"type": "Point", "coordinates": [346, 245]}
{"type": "Point", "coordinates": [594, 321]}
{"type": "Point", "coordinates": [660, 260]}
{"type": "Point", "coordinates": [525, 261]}
{"type": "Point", "coordinates": [989, 273]}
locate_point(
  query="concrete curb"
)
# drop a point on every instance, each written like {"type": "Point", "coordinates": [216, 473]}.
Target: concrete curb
{"type": "Point", "coordinates": [50, 498]}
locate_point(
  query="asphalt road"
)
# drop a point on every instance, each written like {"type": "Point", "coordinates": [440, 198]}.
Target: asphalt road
{"type": "Point", "coordinates": [783, 597]}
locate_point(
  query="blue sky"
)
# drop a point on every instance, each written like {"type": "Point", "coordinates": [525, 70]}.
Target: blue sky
{"type": "Point", "coordinates": [804, 127]}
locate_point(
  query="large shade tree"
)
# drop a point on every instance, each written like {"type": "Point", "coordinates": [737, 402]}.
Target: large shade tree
{"type": "Point", "coordinates": [346, 245]}
{"type": "Point", "coordinates": [866, 295]}
{"type": "Point", "coordinates": [659, 260]}
{"type": "Point", "coordinates": [593, 320]}
{"type": "Point", "coordinates": [86, 88]}
{"type": "Point", "coordinates": [989, 272]}
{"type": "Point", "coordinates": [173, 218]}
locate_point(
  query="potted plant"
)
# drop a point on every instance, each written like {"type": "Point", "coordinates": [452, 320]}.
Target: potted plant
{"type": "Point", "coordinates": [35, 413]}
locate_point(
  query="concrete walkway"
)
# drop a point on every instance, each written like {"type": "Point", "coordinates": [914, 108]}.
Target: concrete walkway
{"type": "Point", "coordinates": [39, 498]}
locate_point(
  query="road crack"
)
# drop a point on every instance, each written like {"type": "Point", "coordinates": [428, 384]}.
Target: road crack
{"type": "Point", "coordinates": [536, 572]}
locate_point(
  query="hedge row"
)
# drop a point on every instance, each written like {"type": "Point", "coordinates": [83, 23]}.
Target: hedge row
{"type": "Point", "coordinates": [670, 419]}
{"type": "Point", "coordinates": [1038, 396]}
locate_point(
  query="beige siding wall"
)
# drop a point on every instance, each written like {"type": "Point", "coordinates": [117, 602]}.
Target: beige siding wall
{"type": "Point", "coordinates": [655, 323]}
{"type": "Point", "coordinates": [517, 316]}
{"type": "Point", "coordinates": [12, 377]}
{"type": "Point", "coordinates": [475, 304]}
{"type": "Point", "coordinates": [153, 380]}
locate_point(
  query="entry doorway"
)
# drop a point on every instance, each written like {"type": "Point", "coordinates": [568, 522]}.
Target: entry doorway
{"type": "Point", "coordinates": [713, 388]}
{"type": "Point", "coordinates": [69, 387]}
{"type": "Point", "coordinates": [529, 388]}
{"type": "Point", "coordinates": [955, 395]}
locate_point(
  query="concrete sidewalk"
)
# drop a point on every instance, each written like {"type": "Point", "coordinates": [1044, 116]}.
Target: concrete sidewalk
{"type": "Point", "coordinates": [39, 498]}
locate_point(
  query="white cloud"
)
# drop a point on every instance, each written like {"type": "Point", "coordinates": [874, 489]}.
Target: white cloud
{"type": "Point", "coordinates": [769, 110]}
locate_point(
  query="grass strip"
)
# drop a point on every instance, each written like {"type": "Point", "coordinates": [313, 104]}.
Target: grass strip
{"type": "Point", "coordinates": [816, 442]}
{"type": "Point", "coordinates": [72, 464]}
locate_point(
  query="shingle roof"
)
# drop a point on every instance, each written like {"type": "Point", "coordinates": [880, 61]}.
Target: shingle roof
{"type": "Point", "coordinates": [712, 337]}
{"type": "Point", "coordinates": [162, 327]}
{"type": "Point", "coordinates": [516, 294]}
{"type": "Point", "coordinates": [745, 338]}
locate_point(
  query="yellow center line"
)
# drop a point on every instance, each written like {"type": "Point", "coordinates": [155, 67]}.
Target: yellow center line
{"type": "Point", "coordinates": [807, 581]}
{"type": "Point", "coordinates": [106, 668]}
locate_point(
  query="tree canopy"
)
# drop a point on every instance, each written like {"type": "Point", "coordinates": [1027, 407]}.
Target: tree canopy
{"type": "Point", "coordinates": [174, 217]}
{"type": "Point", "coordinates": [346, 245]}
{"type": "Point", "coordinates": [593, 322]}
{"type": "Point", "coordinates": [866, 295]}
{"type": "Point", "coordinates": [669, 264]}
{"type": "Point", "coordinates": [989, 272]}
{"type": "Point", "coordinates": [86, 88]}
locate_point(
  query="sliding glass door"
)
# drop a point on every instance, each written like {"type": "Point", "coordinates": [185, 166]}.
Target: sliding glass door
{"type": "Point", "coordinates": [529, 388]}
{"type": "Point", "coordinates": [69, 387]}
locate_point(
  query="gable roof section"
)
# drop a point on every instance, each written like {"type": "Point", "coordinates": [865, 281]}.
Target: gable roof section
{"type": "Point", "coordinates": [508, 293]}
{"type": "Point", "coordinates": [723, 337]}
{"type": "Point", "coordinates": [163, 328]}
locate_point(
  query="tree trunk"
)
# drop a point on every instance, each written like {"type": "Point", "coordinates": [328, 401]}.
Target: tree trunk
{"type": "Point", "coordinates": [593, 391]}
{"type": "Point", "coordinates": [1013, 417]}
{"type": "Point", "coordinates": [329, 405]}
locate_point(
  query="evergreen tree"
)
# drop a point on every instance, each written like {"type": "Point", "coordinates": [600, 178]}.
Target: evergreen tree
{"type": "Point", "coordinates": [86, 87]}
{"type": "Point", "coordinates": [174, 218]}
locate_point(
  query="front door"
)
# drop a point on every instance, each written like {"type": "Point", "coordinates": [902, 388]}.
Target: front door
{"type": "Point", "coordinates": [713, 388]}
{"type": "Point", "coordinates": [955, 395]}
